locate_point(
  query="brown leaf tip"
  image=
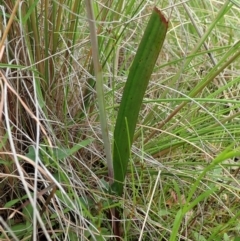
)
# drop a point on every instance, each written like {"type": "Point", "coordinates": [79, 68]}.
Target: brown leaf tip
{"type": "Point", "coordinates": [161, 15]}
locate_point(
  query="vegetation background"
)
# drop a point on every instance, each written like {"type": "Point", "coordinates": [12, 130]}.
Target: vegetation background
{"type": "Point", "coordinates": [183, 177]}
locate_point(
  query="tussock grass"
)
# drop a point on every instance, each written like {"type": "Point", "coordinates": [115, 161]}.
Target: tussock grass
{"type": "Point", "coordinates": [182, 181]}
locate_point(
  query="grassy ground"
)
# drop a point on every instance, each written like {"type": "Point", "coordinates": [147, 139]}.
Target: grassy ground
{"type": "Point", "coordinates": [183, 178]}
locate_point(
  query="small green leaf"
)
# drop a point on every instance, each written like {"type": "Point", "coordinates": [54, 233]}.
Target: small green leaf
{"type": "Point", "coordinates": [28, 212]}
{"type": "Point", "coordinates": [11, 203]}
{"type": "Point", "coordinates": [31, 153]}
{"type": "Point", "coordinates": [198, 236]}
{"type": "Point", "coordinates": [61, 153]}
{"type": "Point", "coordinates": [58, 153]}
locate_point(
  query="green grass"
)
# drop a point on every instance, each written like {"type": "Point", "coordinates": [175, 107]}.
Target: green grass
{"type": "Point", "coordinates": [182, 181]}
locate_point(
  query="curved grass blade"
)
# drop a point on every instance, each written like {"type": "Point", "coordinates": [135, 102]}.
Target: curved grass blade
{"type": "Point", "coordinates": [134, 90]}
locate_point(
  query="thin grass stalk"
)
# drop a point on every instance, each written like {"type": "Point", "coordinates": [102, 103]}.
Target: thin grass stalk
{"type": "Point", "coordinates": [69, 41]}
{"type": "Point", "coordinates": [46, 42]}
{"type": "Point", "coordinates": [5, 33]}
{"type": "Point", "coordinates": [34, 27]}
{"type": "Point", "coordinates": [57, 25]}
{"type": "Point", "coordinates": [99, 88]}
{"type": "Point", "coordinates": [3, 135]}
{"type": "Point", "coordinates": [101, 104]}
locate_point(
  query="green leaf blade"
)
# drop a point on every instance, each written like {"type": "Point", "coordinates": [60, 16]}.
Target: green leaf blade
{"type": "Point", "coordinates": [139, 75]}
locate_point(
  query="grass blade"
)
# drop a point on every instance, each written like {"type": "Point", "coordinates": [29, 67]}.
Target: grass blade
{"type": "Point", "coordinates": [135, 88]}
{"type": "Point", "coordinates": [99, 88]}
